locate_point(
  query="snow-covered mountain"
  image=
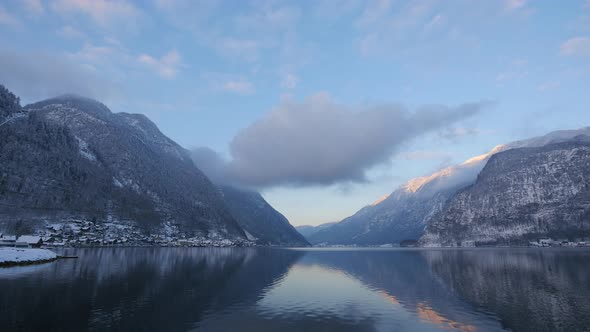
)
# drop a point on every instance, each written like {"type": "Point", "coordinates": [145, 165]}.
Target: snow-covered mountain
{"type": "Point", "coordinates": [405, 213]}
{"type": "Point", "coordinates": [520, 195]}
{"type": "Point", "coordinates": [71, 158]}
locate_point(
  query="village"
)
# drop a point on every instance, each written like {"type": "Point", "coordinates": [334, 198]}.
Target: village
{"type": "Point", "coordinates": [84, 233]}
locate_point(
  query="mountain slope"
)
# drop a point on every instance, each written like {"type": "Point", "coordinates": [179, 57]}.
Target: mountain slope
{"type": "Point", "coordinates": [71, 157]}
{"type": "Point", "coordinates": [308, 230]}
{"type": "Point", "coordinates": [406, 212]}
{"type": "Point", "coordinates": [260, 220]}
{"type": "Point", "coordinates": [521, 194]}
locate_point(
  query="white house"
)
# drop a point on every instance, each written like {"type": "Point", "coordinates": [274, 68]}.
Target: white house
{"type": "Point", "coordinates": [7, 240]}
{"type": "Point", "coordinates": [31, 241]}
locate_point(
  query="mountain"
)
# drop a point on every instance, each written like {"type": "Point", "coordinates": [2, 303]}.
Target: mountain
{"type": "Point", "coordinates": [71, 158]}
{"type": "Point", "coordinates": [308, 230]}
{"type": "Point", "coordinates": [262, 223]}
{"type": "Point", "coordinates": [520, 195]}
{"type": "Point", "coordinates": [406, 212]}
{"type": "Point", "coordinates": [403, 214]}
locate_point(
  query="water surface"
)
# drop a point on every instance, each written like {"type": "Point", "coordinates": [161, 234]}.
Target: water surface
{"type": "Point", "coordinates": [262, 289]}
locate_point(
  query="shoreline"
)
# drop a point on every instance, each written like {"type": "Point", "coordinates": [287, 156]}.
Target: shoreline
{"type": "Point", "coordinates": [25, 256]}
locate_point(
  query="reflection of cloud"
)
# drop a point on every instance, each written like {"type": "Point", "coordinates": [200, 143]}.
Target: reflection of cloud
{"type": "Point", "coordinates": [428, 314]}
{"type": "Point", "coordinates": [392, 299]}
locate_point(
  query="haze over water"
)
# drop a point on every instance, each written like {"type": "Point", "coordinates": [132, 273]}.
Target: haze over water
{"type": "Point", "coordinates": [224, 289]}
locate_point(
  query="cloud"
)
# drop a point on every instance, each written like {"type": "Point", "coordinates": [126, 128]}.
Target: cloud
{"type": "Point", "coordinates": [428, 155]}
{"type": "Point", "coordinates": [515, 71]}
{"type": "Point", "coordinates": [549, 86]}
{"type": "Point", "coordinates": [245, 49]}
{"type": "Point", "coordinates": [34, 7]}
{"type": "Point", "coordinates": [35, 76]}
{"type": "Point", "coordinates": [70, 32]}
{"type": "Point", "coordinates": [103, 12]}
{"type": "Point", "coordinates": [289, 81]}
{"type": "Point", "coordinates": [577, 46]}
{"type": "Point", "coordinates": [166, 66]}
{"type": "Point", "coordinates": [513, 5]}
{"type": "Point", "coordinates": [321, 142]}
{"type": "Point", "coordinates": [241, 87]}
{"type": "Point", "coordinates": [8, 19]}
{"type": "Point", "coordinates": [211, 163]}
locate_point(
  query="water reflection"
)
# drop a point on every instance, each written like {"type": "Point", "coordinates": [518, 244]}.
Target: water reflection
{"type": "Point", "coordinates": [247, 289]}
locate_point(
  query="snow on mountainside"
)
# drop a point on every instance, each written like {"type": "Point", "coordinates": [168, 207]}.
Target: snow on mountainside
{"type": "Point", "coordinates": [71, 158]}
{"type": "Point", "coordinates": [521, 194]}
{"type": "Point", "coordinates": [405, 213]}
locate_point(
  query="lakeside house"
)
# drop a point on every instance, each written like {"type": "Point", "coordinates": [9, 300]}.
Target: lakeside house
{"type": "Point", "coordinates": [30, 241]}
{"type": "Point", "coordinates": [7, 240]}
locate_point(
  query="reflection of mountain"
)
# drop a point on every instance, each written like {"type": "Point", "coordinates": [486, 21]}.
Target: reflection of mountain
{"type": "Point", "coordinates": [529, 290]}
{"type": "Point", "coordinates": [526, 290]}
{"type": "Point", "coordinates": [404, 277]}
{"type": "Point", "coordinates": [149, 289]}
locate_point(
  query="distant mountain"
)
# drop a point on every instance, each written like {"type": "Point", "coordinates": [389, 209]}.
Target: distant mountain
{"type": "Point", "coordinates": [406, 212]}
{"type": "Point", "coordinates": [72, 158]}
{"type": "Point", "coordinates": [262, 223]}
{"type": "Point", "coordinates": [308, 230]}
{"type": "Point", "coordinates": [520, 195]}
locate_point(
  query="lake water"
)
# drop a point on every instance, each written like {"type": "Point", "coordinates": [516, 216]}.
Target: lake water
{"type": "Point", "coordinates": [256, 289]}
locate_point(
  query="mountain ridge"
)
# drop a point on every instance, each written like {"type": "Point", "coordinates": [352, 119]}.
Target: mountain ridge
{"type": "Point", "coordinates": [405, 213]}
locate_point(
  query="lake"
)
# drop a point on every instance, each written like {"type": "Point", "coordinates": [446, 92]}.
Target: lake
{"type": "Point", "coordinates": [268, 289]}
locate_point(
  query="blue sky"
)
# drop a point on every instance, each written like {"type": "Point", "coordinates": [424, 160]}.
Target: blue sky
{"type": "Point", "coordinates": [278, 83]}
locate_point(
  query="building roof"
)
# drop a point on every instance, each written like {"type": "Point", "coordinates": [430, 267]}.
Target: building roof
{"type": "Point", "coordinates": [30, 239]}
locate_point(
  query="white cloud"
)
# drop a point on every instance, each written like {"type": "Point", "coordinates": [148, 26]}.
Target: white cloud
{"type": "Point", "coordinates": [70, 32]}
{"type": "Point", "coordinates": [289, 81]}
{"type": "Point", "coordinates": [512, 5]}
{"type": "Point", "coordinates": [437, 21]}
{"type": "Point", "coordinates": [8, 19]}
{"type": "Point", "coordinates": [103, 12]}
{"type": "Point", "coordinates": [384, 27]}
{"type": "Point", "coordinates": [321, 142]}
{"type": "Point", "coordinates": [34, 7]}
{"type": "Point", "coordinates": [37, 75]}
{"type": "Point", "coordinates": [166, 66]}
{"type": "Point", "coordinates": [548, 86]}
{"type": "Point", "coordinates": [241, 87]}
{"type": "Point", "coordinates": [427, 155]}
{"type": "Point", "coordinates": [576, 46]}
{"type": "Point", "coordinates": [246, 49]}
{"type": "Point", "coordinates": [516, 70]}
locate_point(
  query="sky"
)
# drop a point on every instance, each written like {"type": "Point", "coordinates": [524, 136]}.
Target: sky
{"type": "Point", "coordinates": [323, 106]}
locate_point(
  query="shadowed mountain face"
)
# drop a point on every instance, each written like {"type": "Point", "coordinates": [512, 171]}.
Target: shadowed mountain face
{"type": "Point", "coordinates": [260, 220]}
{"type": "Point", "coordinates": [406, 212]}
{"type": "Point", "coordinates": [520, 195]}
{"type": "Point", "coordinates": [70, 157]}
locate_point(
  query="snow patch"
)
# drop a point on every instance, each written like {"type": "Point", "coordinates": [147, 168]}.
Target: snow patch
{"type": "Point", "coordinates": [17, 255]}
{"type": "Point", "coordinates": [85, 150]}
